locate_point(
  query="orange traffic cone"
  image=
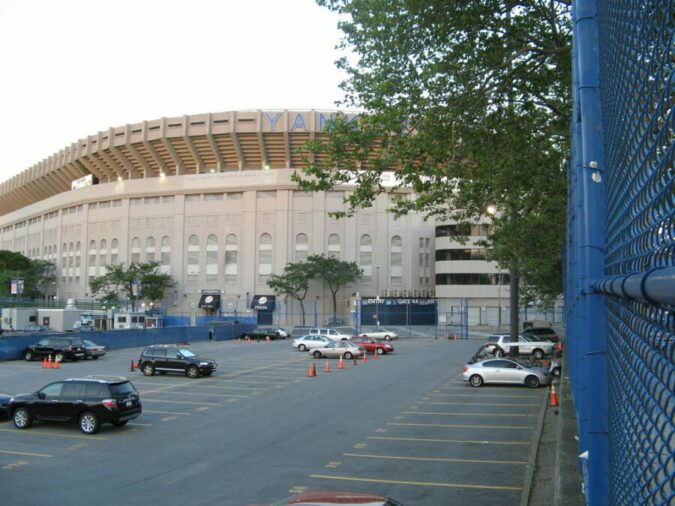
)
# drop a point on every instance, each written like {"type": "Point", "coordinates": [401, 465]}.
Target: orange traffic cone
{"type": "Point", "coordinates": [312, 370]}
{"type": "Point", "coordinates": [553, 400]}
{"type": "Point", "coordinates": [365, 357]}
{"type": "Point", "coordinates": [56, 364]}
{"type": "Point", "coordinates": [45, 365]}
{"type": "Point", "coordinates": [327, 368]}
{"type": "Point", "coordinates": [341, 364]}
{"type": "Point", "coordinates": [455, 339]}
{"type": "Point", "coordinates": [49, 362]}
{"type": "Point", "coordinates": [377, 355]}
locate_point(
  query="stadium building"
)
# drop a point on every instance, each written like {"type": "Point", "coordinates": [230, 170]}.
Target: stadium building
{"type": "Point", "coordinates": [210, 197]}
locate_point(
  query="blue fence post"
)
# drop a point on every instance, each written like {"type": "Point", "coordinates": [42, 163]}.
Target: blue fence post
{"type": "Point", "coordinates": [592, 245]}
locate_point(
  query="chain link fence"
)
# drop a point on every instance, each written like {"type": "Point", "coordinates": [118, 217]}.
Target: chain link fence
{"type": "Point", "coordinates": [620, 274]}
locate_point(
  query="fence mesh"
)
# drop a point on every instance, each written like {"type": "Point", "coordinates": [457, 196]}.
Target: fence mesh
{"type": "Point", "coordinates": [637, 82]}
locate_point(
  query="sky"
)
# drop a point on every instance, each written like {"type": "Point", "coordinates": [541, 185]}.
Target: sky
{"type": "Point", "coordinates": [70, 68]}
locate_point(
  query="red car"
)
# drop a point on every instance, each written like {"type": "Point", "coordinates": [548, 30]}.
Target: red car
{"type": "Point", "coordinates": [373, 345]}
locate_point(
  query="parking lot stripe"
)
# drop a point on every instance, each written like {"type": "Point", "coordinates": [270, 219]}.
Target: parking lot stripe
{"type": "Point", "coordinates": [417, 483]}
{"type": "Point", "coordinates": [209, 394]}
{"type": "Point", "coordinates": [519, 415]}
{"type": "Point", "coordinates": [26, 454]}
{"type": "Point", "coordinates": [517, 427]}
{"type": "Point", "coordinates": [166, 413]}
{"type": "Point", "coordinates": [459, 441]}
{"type": "Point", "coordinates": [434, 459]}
{"type": "Point", "coordinates": [195, 385]}
{"type": "Point", "coordinates": [474, 396]}
{"type": "Point", "coordinates": [53, 434]}
{"type": "Point", "coordinates": [183, 402]}
{"type": "Point", "coordinates": [141, 424]}
{"type": "Point", "coordinates": [482, 403]}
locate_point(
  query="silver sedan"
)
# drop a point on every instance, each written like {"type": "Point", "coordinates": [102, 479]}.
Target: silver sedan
{"type": "Point", "coordinates": [502, 370]}
{"type": "Point", "coordinates": [337, 349]}
{"type": "Point", "coordinates": [304, 343]}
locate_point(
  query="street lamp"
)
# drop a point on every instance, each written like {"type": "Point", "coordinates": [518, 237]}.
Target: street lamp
{"type": "Point", "coordinates": [377, 281]}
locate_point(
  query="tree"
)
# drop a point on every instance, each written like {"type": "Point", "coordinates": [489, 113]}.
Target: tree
{"type": "Point", "coordinates": [294, 282]}
{"type": "Point", "coordinates": [469, 102]}
{"type": "Point", "coordinates": [117, 284]}
{"type": "Point", "coordinates": [335, 273]}
{"type": "Point", "coordinates": [37, 275]}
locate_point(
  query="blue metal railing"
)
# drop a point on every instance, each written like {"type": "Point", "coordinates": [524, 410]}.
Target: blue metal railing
{"type": "Point", "coordinates": [620, 252]}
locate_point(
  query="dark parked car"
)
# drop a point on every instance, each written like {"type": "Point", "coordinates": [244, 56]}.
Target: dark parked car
{"type": "Point", "coordinates": [171, 358]}
{"type": "Point", "coordinates": [264, 333]}
{"type": "Point", "coordinates": [93, 350]}
{"type": "Point", "coordinates": [90, 402]}
{"type": "Point", "coordinates": [4, 401]}
{"type": "Point", "coordinates": [59, 348]}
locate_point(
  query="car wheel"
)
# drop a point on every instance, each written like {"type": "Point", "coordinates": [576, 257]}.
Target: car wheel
{"type": "Point", "coordinates": [89, 423]}
{"type": "Point", "coordinates": [302, 347]}
{"type": "Point", "coordinates": [22, 418]}
{"type": "Point", "coordinates": [148, 369]}
{"type": "Point", "coordinates": [192, 371]}
{"type": "Point", "coordinates": [120, 424]}
{"type": "Point", "coordinates": [58, 357]}
{"type": "Point", "coordinates": [538, 354]}
{"type": "Point", "coordinates": [28, 355]}
{"type": "Point", "coordinates": [476, 380]}
{"type": "Point", "coordinates": [379, 351]}
{"type": "Point", "coordinates": [499, 352]}
{"type": "Point", "coordinates": [387, 338]}
{"type": "Point", "coordinates": [317, 354]}
{"type": "Point", "coordinates": [532, 381]}
{"type": "Point", "coordinates": [348, 356]}
{"type": "Point", "coordinates": [556, 372]}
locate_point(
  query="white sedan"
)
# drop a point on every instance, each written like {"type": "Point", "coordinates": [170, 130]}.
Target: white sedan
{"type": "Point", "coordinates": [304, 343]}
{"type": "Point", "coordinates": [381, 333]}
{"type": "Point", "coordinates": [336, 349]}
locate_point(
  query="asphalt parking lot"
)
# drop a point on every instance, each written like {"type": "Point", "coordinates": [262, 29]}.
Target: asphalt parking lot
{"type": "Point", "coordinates": [260, 429]}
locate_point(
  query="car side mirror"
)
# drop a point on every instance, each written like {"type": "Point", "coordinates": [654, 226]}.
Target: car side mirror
{"type": "Point", "coordinates": [40, 395]}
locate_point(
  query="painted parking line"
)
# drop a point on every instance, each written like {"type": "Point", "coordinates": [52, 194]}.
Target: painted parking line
{"type": "Point", "coordinates": [53, 434]}
{"type": "Point", "coordinates": [474, 396]}
{"type": "Point", "coordinates": [183, 402]}
{"type": "Point", "coordinates": [434, 459]}
{"type": "Point", "coordinates": [513, 415]}
{"type": "Point", "coordinates": [25, 454]}
{"type": "Point", "coordinates": [195, 385]}
{"type": "Point", "coordinates": [439, 403]}
{"type": "Point", "coordinates": [478, 391]}
{"type": "Point", "coordinates": [515, 427]}
{"type": "Point", "coordinates": [166, 413]}
{"type": "Point", "coordinates": [210, 394]}
{"type": "Point", "coordinates": [416, 483]}
{"type": "Point", "coordinates": [137, 424]}
{"type": "Point", "coordinates": [454, 441]}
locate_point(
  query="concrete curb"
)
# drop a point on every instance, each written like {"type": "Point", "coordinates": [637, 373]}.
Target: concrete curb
{"type": "Point", "coordinates": [534, 449]}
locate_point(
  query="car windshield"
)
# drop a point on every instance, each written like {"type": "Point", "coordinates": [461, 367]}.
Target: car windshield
{"type": "Point", "coordinates": [186, 353]}
{"type": "Point", "coordinates": [123, 388]}
{"type": "Point", "coordinates": [88, 343]}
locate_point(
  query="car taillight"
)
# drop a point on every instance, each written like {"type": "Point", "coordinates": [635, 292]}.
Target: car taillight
{"type": "Point", "coordinates": [466, 368]}
{"type": "Point", "coordinates": [110, 404]}
{"type": "Point", "coordinates": [69, 348]}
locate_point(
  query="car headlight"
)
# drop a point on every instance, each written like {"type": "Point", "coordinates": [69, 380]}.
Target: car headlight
{"type": "Point", "coordinates": [203, 363]}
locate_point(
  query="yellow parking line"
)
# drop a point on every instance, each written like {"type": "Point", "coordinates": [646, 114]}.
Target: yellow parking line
{"type": "Point", "coordinates": [462, 426]}
{"type": "Point", "coordinates": [474, 396]}
{"type": "Point", "coordinates": [417, 483]}
{"type": "Point", "coordinates": [26, 454]}
{"type": "Point", "coordinates": [166, 413]}
{"type": "Point", "coordinates": [183, 402]}
{"type": "Point", "coordinates": [518, 415]}
{"type": "Point", "coordinates": [39, 433]}
{"type": "Point", "coordinates": [459, 441]}
{"type": "Point", "coordinates": [482, 403]}
{"type": "Point", "coordinates": [432, 459]}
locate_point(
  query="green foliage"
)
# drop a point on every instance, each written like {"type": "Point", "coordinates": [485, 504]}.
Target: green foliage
{"type": "Point", "coordinates": [37, 275]}
{"type": "Point", "coordinates": [117, 283]}
{"type": "Point", "coordinates": [468, 101]}
{"type": "Point", "coordinates": [335, 273]}
{"type": "Point", "coordinates": [294, 282]}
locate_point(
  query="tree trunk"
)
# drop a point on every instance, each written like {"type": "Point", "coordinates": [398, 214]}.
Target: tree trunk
{"type": "Point", "coordinates": [334, 305]}
{"type": "Point", "coordinates": [302, 308]}
{"type": "Point", "coordinates": [514, 285]}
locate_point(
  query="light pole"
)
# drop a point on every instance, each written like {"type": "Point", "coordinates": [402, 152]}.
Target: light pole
{"type": "Point", "coordinates": [377, 281]}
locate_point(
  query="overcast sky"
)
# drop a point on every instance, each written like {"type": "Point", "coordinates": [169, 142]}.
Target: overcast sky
{"type": "Point", "coordinates": [73, 67]}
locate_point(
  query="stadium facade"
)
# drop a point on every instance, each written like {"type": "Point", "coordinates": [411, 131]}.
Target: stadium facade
{"type": "Point", "coordinates": [210, 197]}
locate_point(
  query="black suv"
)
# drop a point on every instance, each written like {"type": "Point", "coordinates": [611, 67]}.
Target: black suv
{"type": "Point", "coordinates": [59, 348]}
{"type": "Point", "coordinates": [171, 358]}
{"type": "Point", "coordinates": [89, 401]}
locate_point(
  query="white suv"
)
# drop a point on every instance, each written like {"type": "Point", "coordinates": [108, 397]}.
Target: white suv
{"type": "Point", "coordinates": [332, 334]}
{"type": "Point", "coordinates": [501, 344]}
